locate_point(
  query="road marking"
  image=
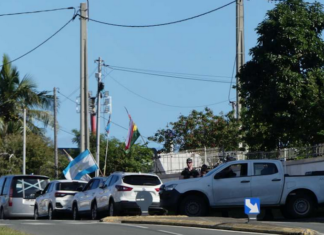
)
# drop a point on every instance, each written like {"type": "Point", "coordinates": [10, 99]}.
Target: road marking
{"type": "Point", "coordinates": [128, 225]}
{"type": "Point", "coordinates": [39, 223]}
{"type": "Point", "coordinates": [163, 231]}
{"type": "Point", "coordinates": [5, 224]}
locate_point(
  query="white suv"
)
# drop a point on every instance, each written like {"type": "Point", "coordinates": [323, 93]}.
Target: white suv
{"type": "Point", "coordinates": [56, 198]}
{"type": "Point", "coordinates": [133, 193]}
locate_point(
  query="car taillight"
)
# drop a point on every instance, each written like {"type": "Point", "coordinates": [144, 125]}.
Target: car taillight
{"type": "Point", "coordinates": [62, 194]}
{"type": "Point", "coordinates": [10, 197]}
{"type": "Point", "coordinates": [123, 188]}
{"type": "Point", "coordinates": [157, 189]}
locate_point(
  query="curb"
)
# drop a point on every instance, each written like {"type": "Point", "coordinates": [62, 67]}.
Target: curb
{"type": "Point", "coordinates": [257, 228]}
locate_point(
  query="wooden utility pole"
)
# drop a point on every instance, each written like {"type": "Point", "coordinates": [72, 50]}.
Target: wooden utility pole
{"type": "Point", "coordinates": [84, 96]}
{"type": "Point", "coordinates": [55, 135]}
{"type": "Point", "coordinates": [239, 49]}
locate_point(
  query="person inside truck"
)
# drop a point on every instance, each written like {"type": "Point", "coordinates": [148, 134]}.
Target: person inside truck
{"type": "Point", "coordinates": [189, 171]}
{"type": "Point", "coordinates": [227, 173]}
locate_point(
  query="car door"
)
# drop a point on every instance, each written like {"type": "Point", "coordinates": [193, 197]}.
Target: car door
{"type": "Point", "coordinates": [267, 183]}
{"type": "Point", "coordinates": [42, 201]}
{"type": "Point", "coordinates": [82, 196]}
{"type": "Point", "coordinates": [232, 185]}
{"type": "Point", "coordinates": [90, 194]}
{"type": "Point", "coordinates": [103, 195]}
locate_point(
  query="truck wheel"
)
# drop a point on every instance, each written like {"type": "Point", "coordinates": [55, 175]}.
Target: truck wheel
{"type": "Point", "coordinates": [300, 206]}
{"type": "Point", "coordinates": [94, 211]}
{"type": "Point", "coordinates": [36, 215]}
{"type": "Point", "coordinates": [193, 206]}
{"type": "Point", "coordinates": [75, 213]}
{"type": "Point", "coordinates": [112, 210]}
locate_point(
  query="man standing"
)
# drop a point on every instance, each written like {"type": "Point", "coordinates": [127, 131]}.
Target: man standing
{"type": "Point", "coordinates": [189, 171]}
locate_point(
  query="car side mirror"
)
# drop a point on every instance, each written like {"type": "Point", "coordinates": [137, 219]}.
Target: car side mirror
{"type": "Point", "coordinates": [217, 176]}
{"type": "Point", "coordinates": [38, 193]}
{"type": "Point", "coordinates": [80, 189]}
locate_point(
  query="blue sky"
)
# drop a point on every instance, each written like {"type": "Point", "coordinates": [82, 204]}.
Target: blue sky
{"type": "Point", "coordinates": [204, 46]}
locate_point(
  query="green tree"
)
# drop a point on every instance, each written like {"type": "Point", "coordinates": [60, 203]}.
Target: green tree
{"type": "Point", "coordinates": [282, 86]}
{"type": "Point", "coordinates": [200, 129]}
{"type": "Point", "coordinates": [39, 155]}
{"type": "Point", "coordinates": [139, 159]}
{"type": "Point", "coordinates": [17, 94]}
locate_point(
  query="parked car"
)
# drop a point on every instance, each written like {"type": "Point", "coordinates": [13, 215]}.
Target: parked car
{"type": "Point", "coordinates": [18, 193]}
{"type": "Point", "coordinates": [86, 201]}
{"type": "Point", "coordinates": [132, 194]}
{"type": "Point", "coordinates": [230, 183]}
{"type": "Point", "coordinates": [56, 198]}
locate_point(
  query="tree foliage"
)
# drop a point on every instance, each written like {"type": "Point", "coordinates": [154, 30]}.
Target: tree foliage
{"type": "Point", "coordinates": [17, 94]}
{"type": "Point", "coordinates": [282, 87]}
{"type": "Point", "coordinates": [139, 159]}
{"type": "Point", "coordinates": [200, 129]}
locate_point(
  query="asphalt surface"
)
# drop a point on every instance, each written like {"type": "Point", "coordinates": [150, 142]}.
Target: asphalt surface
{"type": "Point", "coordinates": [88, 227]}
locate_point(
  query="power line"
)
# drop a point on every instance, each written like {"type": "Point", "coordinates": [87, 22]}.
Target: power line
{"type": "Point", "coordinates": [68, 97]}
{"type": "Point", "coordinates": [175, 106]}
{"type": "Point", "coordinates": [66, 131]}
{"type": "Point", "coordinates": [166, 72]}
{"type": "Point", "coordinates": [229, 93]}
{"type": "Point", "coordinates": [42, 42]}
{"type": "Point", "coordinates": [156, 25]}
{"type": "Point", "coordinates": [40, 11]}
{"type": "Point", "coordinates": [170, 76]}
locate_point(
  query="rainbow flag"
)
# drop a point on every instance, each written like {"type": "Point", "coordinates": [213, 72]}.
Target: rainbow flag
{"type": "Point", "coordinates": [132, 135]}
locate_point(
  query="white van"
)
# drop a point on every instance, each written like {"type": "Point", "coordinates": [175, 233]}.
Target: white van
{"type": "Point", "coordinates": [17, 194]}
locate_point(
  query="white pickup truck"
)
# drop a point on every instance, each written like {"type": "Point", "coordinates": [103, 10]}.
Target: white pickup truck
{"type": "Point", "coordinates": [229, 184]}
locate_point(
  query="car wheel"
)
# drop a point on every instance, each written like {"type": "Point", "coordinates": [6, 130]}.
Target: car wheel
{"type": "Point", "coordinates": [94, 211]}
{"type": "Point", "coordinates": [2, 215]}
{"type": "Point", "coordinates": [36, 215]}
{"type": "Point", "coordinates": [193, 206]}
{"type": "Point", "coordinates": [75, 213]}
{"type": "Point", "coordinates": [300, 206]}
{"type": "Point", "coordinates": [112, 209]}
{"type": "Point", "coordinates": [50, 213]}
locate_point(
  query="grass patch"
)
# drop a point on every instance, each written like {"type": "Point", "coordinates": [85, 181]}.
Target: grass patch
{"type": "Point", "coordinates": [4, 230]}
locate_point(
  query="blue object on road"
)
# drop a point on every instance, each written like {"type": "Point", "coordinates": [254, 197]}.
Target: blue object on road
{"type": "Point", "coordinates": [252, 206]}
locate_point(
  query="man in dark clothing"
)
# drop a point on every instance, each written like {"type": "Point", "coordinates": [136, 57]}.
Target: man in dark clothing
{"type": "Point", "coordinates": [189, 172]}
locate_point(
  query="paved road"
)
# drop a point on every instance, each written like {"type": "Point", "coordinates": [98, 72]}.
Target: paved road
{"type": "Point", "coordinates": [88, 227]}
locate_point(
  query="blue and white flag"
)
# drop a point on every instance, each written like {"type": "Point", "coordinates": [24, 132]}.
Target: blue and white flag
{"type": "Point", "coordinates": [80, 166]}
{"type": "Point", "coordinates": [108, 126]}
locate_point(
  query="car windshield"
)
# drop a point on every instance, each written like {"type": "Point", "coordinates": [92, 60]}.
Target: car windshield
{"type": "Point", "coordinates": [141, 180]}
{"type": "Point", "coordinates": [69, 186]}
{"type": "Point", "coordinates": [25, 187]}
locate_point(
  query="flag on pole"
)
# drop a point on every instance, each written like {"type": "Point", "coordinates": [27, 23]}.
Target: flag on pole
{"type": "Point", "coordinates": [83, 164]}
{"type": "Point", "coordinates": [108, 125]}
{"type": "Point", "coordinates": [85, 177]}
{"type": "Point", "coordinates": [132, 135]}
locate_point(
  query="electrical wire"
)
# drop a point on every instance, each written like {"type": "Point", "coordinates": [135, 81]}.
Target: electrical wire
{"type": "Point", "coordinates": [230, 88]}
{"type": "Point", "coordinates": [165, 72]}
{"type": "Point", "coordinates": [42, 42]}
{"type": "Point", "coordinates": [156, 25]}
{"type": "Point", "coordinates": [174, 106]}
{"type": "Point", "coordinates": [78, 87]}
{"type": "Point", "coordinates": [66, 131]}
{"type": "Point", "coordinates": [40, 11]}
{"type": "Point", "coordinates": [169, 76]}
{"type": "Point", "coordinates": [68, 98]}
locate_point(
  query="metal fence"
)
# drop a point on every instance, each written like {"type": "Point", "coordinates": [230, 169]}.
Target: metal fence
{"type": "Point", "coordinates": [169, 163]}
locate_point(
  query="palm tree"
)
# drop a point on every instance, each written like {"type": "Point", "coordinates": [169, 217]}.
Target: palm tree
{"type": "Point", "coordinates": [18, 94]}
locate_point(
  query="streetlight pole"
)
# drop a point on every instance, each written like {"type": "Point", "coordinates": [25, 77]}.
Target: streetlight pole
{"type": "Point", "coordinates": [98, 75]}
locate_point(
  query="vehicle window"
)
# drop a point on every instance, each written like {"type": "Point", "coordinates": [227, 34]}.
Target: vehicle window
{"type": "Point", "coordinates": [69, 186]}
{"type": "Point", "coordinates": [265, 169]}
{"type": "Point", "coordinates": [6, 187]}
{"type": "Point", "coordinates": [113, 180]}
{"type": "Point", "coordinates": [236, 170]}
{"type": "Point", "coordinates": [141, 180]}
{"type": "Point", "coordinates": [48, 188]}
{"type": "Point", "coordinates": [108, 180]}
{"type": "Point", "coordinates": [26, 187]}
{"type": "Point", "coordinates": [1, 184]}
{"type": "Point", "coordinates": [88, 186]}
{"type": "Point", "coordinates": [95, 184]}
